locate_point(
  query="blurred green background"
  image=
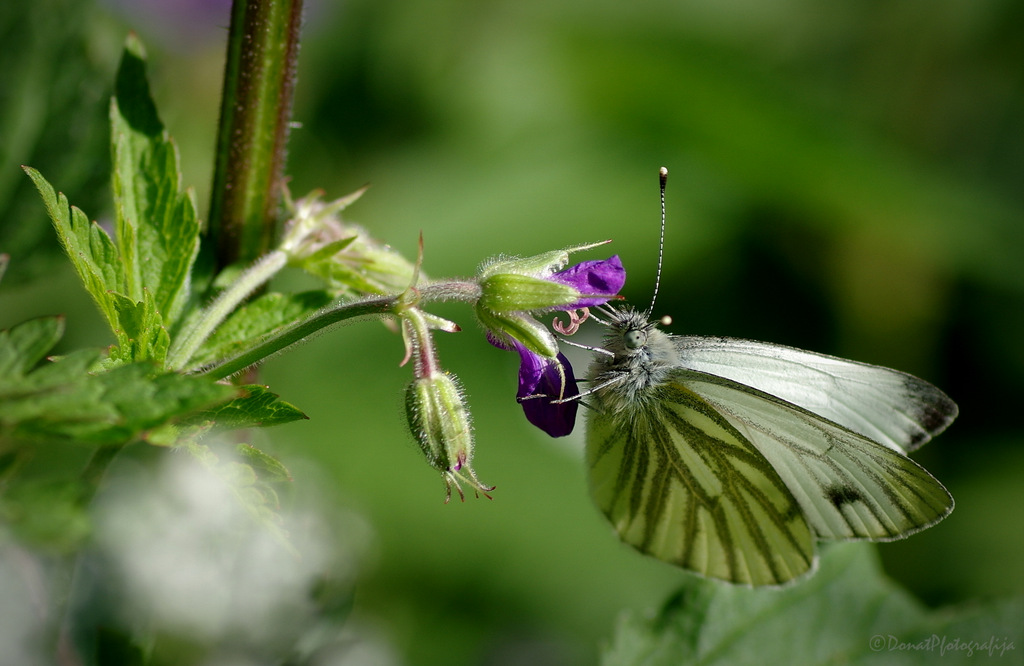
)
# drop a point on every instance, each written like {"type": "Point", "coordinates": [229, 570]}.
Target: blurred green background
{"type": "Point", "coordinates": [844, 178]}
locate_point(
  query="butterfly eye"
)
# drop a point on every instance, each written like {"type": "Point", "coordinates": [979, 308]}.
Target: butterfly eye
{"type": "Point", "coordinates": [635, 339]}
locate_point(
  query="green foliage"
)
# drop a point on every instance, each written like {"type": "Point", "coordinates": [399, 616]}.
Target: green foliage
{"type": "Point", "coordinates": [52, 104]}
{"type": "Point", "coordinates": [70, 400]}
{"type": "Point", "coordinates": [157, 228]}
{"type": "Point", "coordinates": [67, 399]}
{"type": "Point", "coordinates": [255, 407]}
{"type": "Point", "coordinates": [846, 613]}
{"type": "Point", "coordinates": [139, 278]}
{"type": "Point", "coordinates": [141, 283]}
{"type": "Point", "coordinates": [87, 245]}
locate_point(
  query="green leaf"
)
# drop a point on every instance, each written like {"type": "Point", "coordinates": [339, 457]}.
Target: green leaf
{"type": "Point", "coordinates": [268, 468]}
{"type": "Point", "coordinates": [846, 613]}
{"type": "Point", "coordinates": [157, 226]}
{"type": "Point", "coordinates": [24, 345]}
{"type": "Point", "coordinates": [257, 407]}
{"type": "Point", "coordinates": [64, 400]}
{"type": "Point", "coordinates": [256, 319]}
{"type": "Point", "coordinates": [141, 334]}
{"type": "Point", "coordinates": [90, 249]}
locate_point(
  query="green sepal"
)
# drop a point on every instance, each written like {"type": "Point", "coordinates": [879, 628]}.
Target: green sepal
{"type": "Point", "coordinates": [522, 327]}
{"type": "Point", "coordinates": [359, 264]}
{"type": "Point", "coordinates": [439, 421]}
{"type": "Point", "coordinates": [539, 265]}
{"type": "Point", "coordinates": [327, 252]}
{"type": "Point", "coordinates": [545, 264]}
{"type": "Point", "coordinates": [512, 292]}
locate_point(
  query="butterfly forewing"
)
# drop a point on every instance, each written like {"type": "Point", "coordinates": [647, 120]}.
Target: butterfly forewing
{"type": "Point", "coordinates": [681, 483]}
{"type": "Point", "coordinates": [847, 486]}
{"type": "Point", "coordinates": [885, 405]}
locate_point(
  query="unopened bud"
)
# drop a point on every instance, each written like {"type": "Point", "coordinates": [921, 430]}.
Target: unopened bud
{"type": "Point", "coordinates": [440, 423]}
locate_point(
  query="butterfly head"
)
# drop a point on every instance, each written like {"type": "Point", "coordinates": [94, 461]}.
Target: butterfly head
{"type": "Point", "coordinates": [631, 333]}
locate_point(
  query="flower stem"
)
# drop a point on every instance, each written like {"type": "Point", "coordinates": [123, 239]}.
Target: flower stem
{"type": "Point", "coordinates": [285, 337]}
{"type": "Point", "coordinates": [259, 81]}
{"type": "Point", "coordinates": [297, 332]}
{"type": "Point", "coordinates": [193, 337]}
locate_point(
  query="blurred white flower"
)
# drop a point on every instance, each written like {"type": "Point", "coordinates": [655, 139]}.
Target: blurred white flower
{"type": "Point", "coordinates": [192, 561]}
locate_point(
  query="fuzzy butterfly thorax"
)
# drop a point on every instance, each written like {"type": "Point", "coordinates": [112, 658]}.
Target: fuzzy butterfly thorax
{"type": "Point", "coordinates": [639, 359]}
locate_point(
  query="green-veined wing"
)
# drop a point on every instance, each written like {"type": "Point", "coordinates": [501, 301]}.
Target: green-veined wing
{"type": "Point", "coordinates": [848, 486]}
{"type": "Point", "coordinates": [681, 483]}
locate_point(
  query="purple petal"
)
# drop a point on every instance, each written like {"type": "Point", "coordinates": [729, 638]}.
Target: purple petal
{"type": "Point", "coordinates": [598, 280]}
{"type": "Point", "coordinates": [540, 376]}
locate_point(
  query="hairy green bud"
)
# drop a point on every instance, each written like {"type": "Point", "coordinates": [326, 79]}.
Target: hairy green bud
{"type": "Point", "coordinates": [440, 422]}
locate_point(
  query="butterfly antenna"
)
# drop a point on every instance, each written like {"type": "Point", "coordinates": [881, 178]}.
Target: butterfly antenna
{"type": "Point", "coordinates": [662, 177]}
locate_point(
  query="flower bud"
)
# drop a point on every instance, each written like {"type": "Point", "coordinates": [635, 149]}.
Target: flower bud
{"type": "Point", "coordinates": [440, 423]}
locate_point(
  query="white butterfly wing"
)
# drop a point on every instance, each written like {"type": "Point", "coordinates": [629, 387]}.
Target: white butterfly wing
{"type": "Point", "coordinates": [885, 405]}
{"type": "Point", "coordinates": [847, 486]}
{"type": "Point", "coordinates": [680, 483]}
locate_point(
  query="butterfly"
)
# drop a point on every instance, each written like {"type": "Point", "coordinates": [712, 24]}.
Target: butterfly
{"type": "Point", "coordinates": [731, 458]}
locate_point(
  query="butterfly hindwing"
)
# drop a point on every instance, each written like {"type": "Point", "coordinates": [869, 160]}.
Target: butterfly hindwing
{"type": "Point", "coordinates": [681, 483]}
{"type": "Point", "coordinates": [848, 486]}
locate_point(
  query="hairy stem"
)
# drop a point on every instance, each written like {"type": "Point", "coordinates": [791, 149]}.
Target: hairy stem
{"type": "Point", "coordinates": [254, 277]}
{"type": "Point", "coordinates": [259, 82]}
{"type": "Point", "coordinates": [289, 335]}
{"type": "Point", "coordinates": [299, 331]}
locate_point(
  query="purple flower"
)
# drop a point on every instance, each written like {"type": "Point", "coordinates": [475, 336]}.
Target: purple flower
{"type": "Point", "coordinates": [511, 292]}
{"type": "Point", "coordinates": [542, 380]}
{"type": "Point", "coordinates": [597, 280]}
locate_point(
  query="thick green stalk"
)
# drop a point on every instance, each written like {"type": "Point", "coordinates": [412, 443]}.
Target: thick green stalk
{"type": "Point", "coordinates": [259, 82]}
